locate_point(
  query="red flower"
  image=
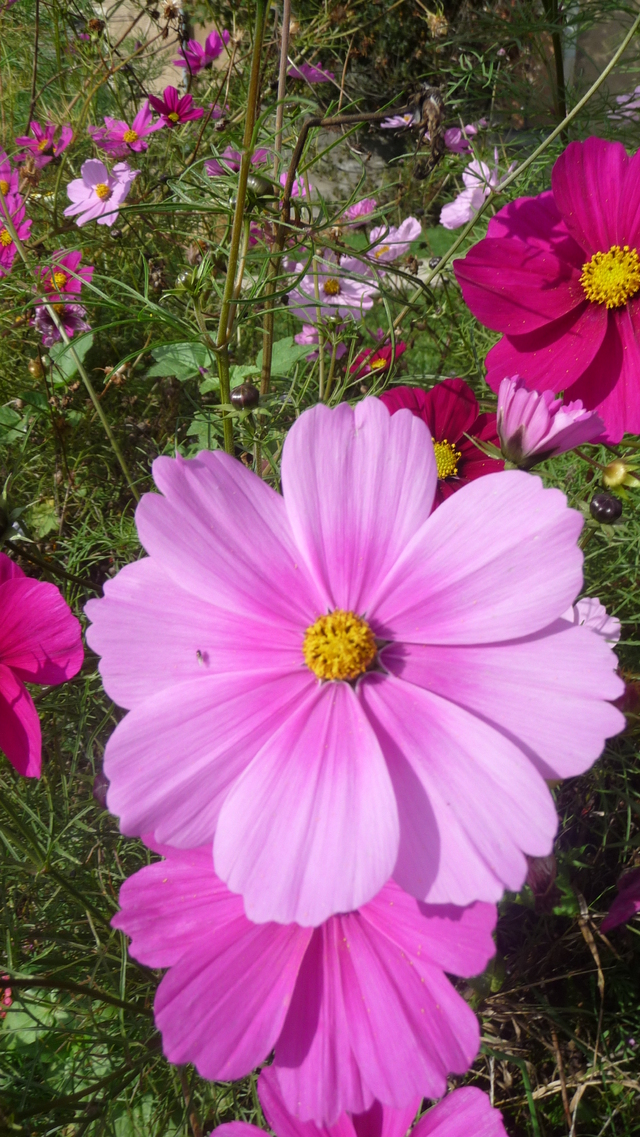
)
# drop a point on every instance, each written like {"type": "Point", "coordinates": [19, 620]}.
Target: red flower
{"type": "Point", "coordinates": [376, 359]}
{"type": "Point", "coordinates": [450, 410]}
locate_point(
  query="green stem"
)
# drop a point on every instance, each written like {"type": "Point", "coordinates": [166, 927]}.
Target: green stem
{"type": "Point", "coordinates": [236, 231]}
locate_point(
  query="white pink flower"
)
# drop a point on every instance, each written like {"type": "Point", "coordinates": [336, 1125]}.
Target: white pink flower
{"type": "Point", "coordinates": [97, 195]}
{"type": "Point", "coordinates": [535, 425]}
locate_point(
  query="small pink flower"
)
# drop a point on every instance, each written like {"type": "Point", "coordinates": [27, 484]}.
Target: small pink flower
{"type": "Point", "coordinates": [117, 138]}
{"type": "Point", "coordinates": [626, 904]}
{"type": "Point", "coordinates": [195, 57]}
{"type": "Point", "coordinates": [310, 335]}
{"type": "Point", "coordinates": [397, 122]}
{"type": "Point", "coordinates": [389, 243]}
{"type": "Point", "coordinates": [230, 160]}
{"type": "Point", "coordinates": [535, 425]}
{"type": "Point", "coordinates": [479, 179]}
{"type": "Point", "coordinates": [40, 642]}
{"type": "Point", "coordinates": [9, 181]}
{"type": "Point", "coordinates": [174, 108]}
{"type": "Point", "coordinates": [43, 145]}
{"type": "Point", "coordinates": [456, 138]}
{"type": "Point", "coordinates": [629, 106]}
{"type": "Point", "coordinates": [310, 74]}
{"type": "Point", "coordinates": [14, 207]}
{"type": "Point", "coordinates": [376, 360]}
{"type": "Point", "coordinates": [324, 998]}
{"type": "Point", "coordinates": [97, 195]}
{"type": "Point", "coordinates": [71, 316]}
{"type": "Point", "coordinates": [359, 212]}
{"type": "Point", "coordinates": [339, 295]}
{"type": "Point", "coordinates": [590, 613]}
{"type": "Point", "coordinates": [299, 189]}
{"type": "Point", "coordinates": [64, 277]}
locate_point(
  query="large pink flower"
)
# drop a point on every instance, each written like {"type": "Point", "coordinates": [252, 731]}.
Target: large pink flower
{"type": "Point", "coordinates": [343, 685]}
{"type": "Point", "coordinates": [357, 1009]}
{"type": "Point", "coordinates": [97, 195]}
{"type": "Point", "coordinates": [117, 138]}
{"type": "Point", "coordinates": [64, 277]}
{"type": "Point", "coordinates": [40, 642]}
{"type": "Point", "coordinates": [174, 108]}
{"type": "Point", "coordinates": [559, 274]}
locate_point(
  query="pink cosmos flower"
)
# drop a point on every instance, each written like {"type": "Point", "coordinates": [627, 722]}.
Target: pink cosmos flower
{"type": "Point", "coordinates": [40, 642]}
{"type": "Point", "coordinates": [195, 57]}
{"type": "Point", "coordinates": [456, 138]}
{"type": "Point", "coordinates": [9, 180]}
{"type": "Point", "coordinates": [559, 275]}
{"type": "Point", "coordinates": [368, 687]}
{"type": "Point", "coordinates": [310, 335]}
{"type": "Point", "coordinates": [397, 121]}
{"type": "Point", "coordinates": [299, 189]}
{"type": "Point", "coordinates": [71, 316]}
{"type": "Point", "coordinates": [174, 108]}
{"type": "Point", "coordinates": [626, 904]}
{"type": "Point", "coordinates": [359, 212]}
{"type": "Point", "coordinates": [590, 613]}
{"type": "Point", "coordinates": [230, 160]}
{"type": "Point", "coordinates": [340, 295]}
{"type": "Point", "coordinates": [465, 1112]}
{"type": "Point", "coordinates": [323, 997]}
{"type": "Point", "coordinates": [451, 413]}
{"type": "Point", "coordinates": [629, 106]}
{"type": "Point", "coordinates": [388, 243]}
{"type": "Point", "coordinates": [117, 138]}
{"type": "Point", "coordinates": [97, 195]}
{"type": "Point", "coordinates": [64, 276]}
{"type": "Point", "coordinates": [11, 205]}
{"type": "Point", "coordinates": [310, 74]}
{"type": "Point", "coordinates": [533, 425]}
{"type": "Point", "coordinates": [479, 179]}
{"type": "Point", "coordinates": [376, 359]}
{"type": "Point", "coordinates": [43, 146]}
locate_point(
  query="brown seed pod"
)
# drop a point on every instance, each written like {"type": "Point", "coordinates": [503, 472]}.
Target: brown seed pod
{"type": "Point", "coordinates": [245, 397]}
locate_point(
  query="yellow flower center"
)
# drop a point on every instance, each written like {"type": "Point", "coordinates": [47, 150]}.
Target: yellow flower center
{"type": "Point", "coordinates": [102, 191]}
{"type": "Point", "coordinates": [4, 186]}
{"type": "Point", "coordinates": [173, 117]}
{"type": "Point", "coordinates": [60, 279]}
{"type": "Point", "coordinates": [382, 250]}
{"type": "Point", "coordinates": [331, 287]}
{"type": "Point", "coordinates": [611, 278]}
{"type": "Point", "coordinates": [58, 309]}
{"type": "Point", "coordinates": [44, 144]}
{"type": "Point", "coordinates": [130, 136]}
{"type": "Point", "coordinates": [378, 364]}
{"type": "Point", "coordinates": [5, 238]}
{"type": "Point", "coordinates": [339, 646]}
{"type": "Point", "coordinates": [447, 458]}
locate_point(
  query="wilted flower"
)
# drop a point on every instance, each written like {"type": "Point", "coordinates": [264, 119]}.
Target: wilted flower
{"type": "Point", "coordinates": [97, 195]}
{"type": "Point", "coordinates": [64, 277]}
{"type": "Point", "coordinates": [117, 138]}
{"type": "Point", "coordinates": [322, 997]}
{"type": "Point", "coordinates": [174, 108]}
{"type": "Point", "coordinates": [534, 425]}
{"type": "Point", "coordinates": [71, 316]}
{"type": "Point", "coordinates": [627, 902]}
{"type": "Point", "coordinates": [590, 613]}
{"type": "Point", "coordinates": [310, 73]}
{"type": "Point", "coordinates": [9, 181]}
{"type": "Point", "coordinates": [43, 146]}
{"type": "Point", "coordinates": [195, 57]}
{"type": "Point", "coordinates": [13, 206]}
{"type": "Point", "coordinates": [230, 159]}
{"type": "Point", "coordinates": [40, 642]}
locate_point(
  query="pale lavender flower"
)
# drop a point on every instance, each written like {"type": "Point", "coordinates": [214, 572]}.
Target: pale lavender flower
{"type": "Point", "coordinates": [534, 425]}
{"type": "Point", "coordinates": [359, 212]}
{"type": "Point", "coordinates": [397, 121]}
{"type": "Point", "coordinates": [479, 179]}
{"type": "Point", "coordinates": [390, 242]}
{"type": "Point", "coordinates": [339, 295]}
{"type": "Point", "coordinates": [629, 106]}
{"type": "Point", "coordinates": [97, 195]}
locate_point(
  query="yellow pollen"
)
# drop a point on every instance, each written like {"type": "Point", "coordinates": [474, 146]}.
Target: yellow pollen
{"type": "Point", "coordinates": [44, 144]}
{"type": "Point", "coordinates": [102, 191]}
{"type": "Point", "coordinates": [59, 279]}
{"type": "Point", "coordinates": [611, 278]}
{"type": "Point", "coordinates": [339, 646]}
{"type": "Point", "coordinates": [130, 136]}
{"type": "Point", "coordinates": [5, 238]}
{"type": "Point", "coordinates": [331, 287]}
{"type": "Point", "coordinates": [173, 117]}
{"type": "Point", "coordinates": [378, 364]}
{"type": "Point", "coordinates": [58, 309]}
{"type": "Point", "coordinates": [382, 250]}
{"type": "Point", "coordinates": [447, 458]}
{"type": "Point", "coordinates": [4, 186]}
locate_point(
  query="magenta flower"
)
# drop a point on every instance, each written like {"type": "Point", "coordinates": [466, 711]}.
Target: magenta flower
{"type": "Point", "coordinates": [366, 688]}
{"type": "Point", "coordinates": [359, 212]}
{"type": "Point", "coordinates": [117, 138]}
{"type": "Point", "coordinates": [174, 108]}
{"type": "Point", "coordinates": [71, 316]}
{"type": "Point", "coordinates": [97, 195]}
{"type": "Point", "coordinates": [309, 73]}
{"type": "Point", "coordinates": [627, 902]}
{"type": "Point", "coordinates": [321, 997]}
{"type": "Point", "coordinates": [195, 57]}
{"type": "Point", "coordinates": [64, 277]}
{"type": "Point", "coordinates": [388, 243]}
{"type": "Point", "coordinates": [43, 146]}
{"type": "Point", "coordinates": [230, 159]}
{"type": "Point", "coordinates": [9, 181]}
{"type": "Point", "coordinates": [479, 179]}
{"type": "Point", "coordinates": [590, 613]}
{"type": "Point", "coordinates": [339, 295]}
{"type": "Point", "coordinates": [559, 275]}
{"type": "Point", "coordinates": [451, 414]}
{"type": "Point", "coordinates": [298, 189]}
{"type": "Point", "coordinates": [377, 359]}
{"type": "Point", "coordinates": [40, 642]}
{"type": "Point", "coordinates": [11, 205]}
{"type": "Point", "coordinates": [534, 425]}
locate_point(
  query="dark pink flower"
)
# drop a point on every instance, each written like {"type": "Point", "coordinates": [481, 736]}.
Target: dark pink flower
{"type": "Point", "coordinates": [323, 997]}
{"type": "Point", "coordinates": [40, 642]}
{"type": "Point", "coordinates": [71, 316]}
{"type": "Point", "coordinates": [376, 359]}
{"type": "Point", "coordinates": [534, 425]}
{"type": "Point", "coordinates": [559, 275]}
{"type": "Point", "coordinates": [174, 108]}
{"type": "Point", "coordinates": [43, 146]}
{"type": "Point", "coordinates": [116, 137]}
{"type": "Point", "coordinates": [309, 73]}
{"type": "Point", "coordinates": [230, 160]}
{"type": "Point", "coordinates": [195, 57]}
{"type": "Point", "coordinates": [14, 207]}
{"type": "Point", "coordinates": [9, 181]}
{"type": "Point", "coordinates": [64, 276]}
{"type": "Point", "coordinates": [97, 195]}
{"type": "Point", "coordinates": [5, 997]}
{"type": "Point", "coordinates": [626, 903]}
{"type": "Point", "coordinates": [450, 410]}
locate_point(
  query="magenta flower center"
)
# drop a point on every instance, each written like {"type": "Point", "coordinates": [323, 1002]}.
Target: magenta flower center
{"type": "Point", "coordinates": [102, 191]}
{"type": "Point", "coordinates": [611, 278]}
{"type": "Point", "coordinates": [5, 238]}
{"type": "Point", "coordinates": [339, 645]}
{"type": "Point", "coordinates": [130, 136]}
{"type": "Point", "coordinates": [331, 287]}
{"type": "Point", "coordinates": [447, 458]}
{"type": "Point", "coordinates": [4, 186]}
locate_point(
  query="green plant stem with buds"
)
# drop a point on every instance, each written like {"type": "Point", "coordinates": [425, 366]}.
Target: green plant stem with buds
{"type": "Point", "coordinates": [238, 218]}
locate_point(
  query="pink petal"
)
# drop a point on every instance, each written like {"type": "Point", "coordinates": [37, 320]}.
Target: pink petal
{"type": "Point", "coordinates": [222, 533]}
{"type": "Point", "coordinates": [538, 222]}
{"type": "Point", "coordinates": [9, 570]}
{"type": "Point", "coordinates": [358, 483]}
{"type": "Point", "coordinates": [152, 634]}
{"type": "Point", "coordinates": [611, 384]}
{"type": "Point", "coordinates": [94, 172]}
{"type": "Point", "coordinates": [39, 636]}
{"type": "Point", "coordinates": [476, 781]}
{"type": "Point", "coordinates": [78, 192]}
{"type": "Point", "coordinates": [237, 1129]}
{"type": "Point", "coordinates": [554, 357]}
{"type": "Point", "coordinates": [498, 560]}
{"type": "Point", "coordinates": [514, 288]}
{"type": "Point", "coordinates": [466, 1112]}
{"type": "Point", "coordinates": [19, 725]}
{"type": "Point", "coordinates": [172, 760]}
{"type": "Point", "coordinates": [311, 827]}
{"type": "Point", "coordinates": [587, 182]}
{"type": "Point", "coordinates": [286, 1125]}
{"type": "Point", "coordinates": [547, 693]}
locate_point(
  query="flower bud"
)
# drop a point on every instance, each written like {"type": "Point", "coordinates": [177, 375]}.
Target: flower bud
{"type": "Point", "coordinates": [605, 508]}
{"type": "Point", "coordinates": [245, 397]}
{"type": "Point", "coordinates": [35, 368]}
{"type": "Point", "coordinates": [619, 473]}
